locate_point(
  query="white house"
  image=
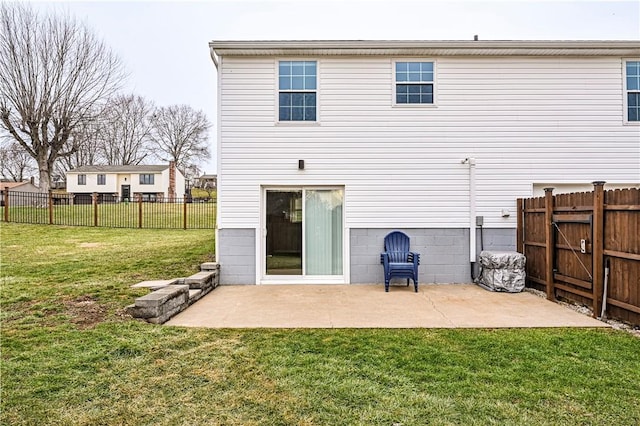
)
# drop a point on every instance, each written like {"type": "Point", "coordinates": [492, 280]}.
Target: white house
{"type": "Point", "coordinates": [326, 146]}
{"type": "Point", "coordinates": [120, 183]}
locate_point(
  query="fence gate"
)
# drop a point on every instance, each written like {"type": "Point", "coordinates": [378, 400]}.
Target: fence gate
{"type": "Point", "coordinates": [585, 247]}
{"type": "Point", "coordinates": [573, 253]}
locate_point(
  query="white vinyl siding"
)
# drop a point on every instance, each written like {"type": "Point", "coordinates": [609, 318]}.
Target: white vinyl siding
{"type": "Point", "coordinates": [524, 120]}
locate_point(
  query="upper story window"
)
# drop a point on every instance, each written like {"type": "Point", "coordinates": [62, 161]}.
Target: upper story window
{"type": "Point", "coordinates": [102, 179]}
{"type": "Point", "coordinates": [633, 90]}
{"type": "Point", "coordinates": [82, 179]}
{"type": "Point", "coordinates": [297, 86]}
{"type": "Point", "coordinates": [146, 179]}
{"type": "Point", "coordinates": [414, 82]}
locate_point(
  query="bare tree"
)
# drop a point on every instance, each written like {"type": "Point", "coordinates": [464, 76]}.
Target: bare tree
{"type": "Point", "coordinates": [53, 71]}
{"type": "Point", "coordinates": [180, 133]}
{"type": "Point", "coordinates": [15, 163]}
{"type": "Point", "coordinates": [125, 131]}
{"type": "Point", "coordinates": [86, 138]}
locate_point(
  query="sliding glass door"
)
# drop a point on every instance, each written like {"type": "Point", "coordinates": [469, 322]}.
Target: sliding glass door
{"type": "Point", "coordinates": [304, 232]}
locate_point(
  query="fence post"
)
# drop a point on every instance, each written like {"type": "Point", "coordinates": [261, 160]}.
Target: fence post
{"type": "Point", "coordinates": [520, 226]}
{"type": "Point", "coordinates": [5, 193]}
{"type": "Point", "coordinates": [597, 252]}
{"type": "Point", "coordinates": [139, 211]}
{"type": "Point", "coordinates": [50, 207]}
{"type": "Point", "coordinates": [184, 211]}
{"type": "Point", "coordinates": [94, 199]}
{"type": "Point", "coordinates": [549, 242]}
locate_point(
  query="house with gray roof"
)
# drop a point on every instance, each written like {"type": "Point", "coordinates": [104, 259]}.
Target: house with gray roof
{"type": "Point", "coordinates": [126, 183]}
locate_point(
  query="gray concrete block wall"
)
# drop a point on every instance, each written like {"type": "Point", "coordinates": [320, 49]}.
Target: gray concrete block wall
{"type": "Point", "coordinates": [503, 239]}
{"type": "Point", "coordinates": [237, 256]}
{"type": "Point", "coordinates": [444, 254]}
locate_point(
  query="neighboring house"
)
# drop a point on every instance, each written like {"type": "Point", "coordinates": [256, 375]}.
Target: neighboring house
{"type": "Point", "coordinates": [126, 183]}
{"type": "Point", "coordinates": [326, 146]}
{"type": "Point", "coordinates": [20, 193]}
{"type": "Point", "coordinates": [208, 181]}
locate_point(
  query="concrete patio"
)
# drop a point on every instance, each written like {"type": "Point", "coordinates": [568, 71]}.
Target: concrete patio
{"type": "Point", "coordinates": [368, 306]}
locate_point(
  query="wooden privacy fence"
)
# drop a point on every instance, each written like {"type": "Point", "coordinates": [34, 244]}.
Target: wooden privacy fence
{"type": "Point", "coordinates": [109, 212]}
{"type": "Point", "coordinates": [585, 247]}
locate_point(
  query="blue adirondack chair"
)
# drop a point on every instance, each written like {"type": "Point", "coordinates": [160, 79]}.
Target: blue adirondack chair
{"type": "Point", "coordinates": [398, 260]}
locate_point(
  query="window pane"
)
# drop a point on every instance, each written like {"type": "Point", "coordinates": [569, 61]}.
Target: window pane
{"type": "Point", "coordinates": [401, 99]}
{"type": "Point", "coordinates": [633, 83]}
{"type": "Point", "coordinates": [285, 99]}
{"type": "Point", "coordinates": [297, 99]}
{"type": "Point", "coordinates": [297, 114]}
{"type": "Point", "coordinates": [414, 99]}
{"type": "Point", "coordinates": [297, 83]}
{"type": "Point", "coordinates": [401, 66]}
{"type": "Point", "coordinates": [414, 89]}
{"type": "Point", "coordinates": [285, 68]}
{"type": "Point", "coordinates": [297, 68]}
{"type": "Point", "coordinates": [427, 76]}
{"type": "Point", "coordinates": [633, 106]}
{"type": "Point", "coordinates": [401, 76]}
{"type": "Point", "coordinates": [285, 83]}
{"type": "Point", "coordinates": [427, 67]}
{"type": "Point", "coordinates": [285, 113]}
{"type": "Point", "coordinates": [401, 89]}
{"type": "Point", "coordinates": [310, 83]}
{"type": "Point", "coordinates": [310, 99]}
{"type": "Point", "coordinates": [310, 114]}
{"type": "Point", "coordinates": [310, 68]}
{"type": "Point", "coordinates": [414, 66]}
{"type": "Point", "coordinates": [414, 76]}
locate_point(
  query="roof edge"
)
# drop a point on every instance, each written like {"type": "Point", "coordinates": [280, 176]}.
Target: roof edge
{"type": "Point", "coordinates": [425, 47]}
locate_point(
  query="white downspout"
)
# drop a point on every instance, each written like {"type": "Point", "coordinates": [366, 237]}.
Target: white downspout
{"type": "Point", "coordinates": [472, 210]}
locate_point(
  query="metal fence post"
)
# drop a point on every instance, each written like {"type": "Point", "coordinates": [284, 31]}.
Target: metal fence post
{"type": "Point", "coordinates": [597, 252]}
{"type": "Point", "coordinates": [94, 197]}
{"type": "Point", "coordinates": [549, 242]}
{"type": "Point", "coordinates": [184, 211]}
{"type": "Point", "coordinates": [6, 203]}
{"type": "Point", "coordinates": [50, 207]}
{"type": "Point", "coordinates": [139, 211]}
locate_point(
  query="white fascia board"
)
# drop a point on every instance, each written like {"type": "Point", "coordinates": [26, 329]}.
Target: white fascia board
{"type": "Point", "coordinates": [426, 48]}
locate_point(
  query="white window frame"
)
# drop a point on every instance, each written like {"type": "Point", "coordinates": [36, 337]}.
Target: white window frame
{"type": "Point", "coordinates": [625, 91]}
{"type": "Point", "coordinates": [104, 179]}
{"type": "Point", "coordinates": [82, 179]}
{"type": "Point", "coordinates": [394, 83]}
{"type": "Point", "coordinates": [277, 93]}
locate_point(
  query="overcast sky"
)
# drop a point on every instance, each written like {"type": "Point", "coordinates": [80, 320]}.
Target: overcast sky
{"type": "Point", "coordinates": [164, 45]}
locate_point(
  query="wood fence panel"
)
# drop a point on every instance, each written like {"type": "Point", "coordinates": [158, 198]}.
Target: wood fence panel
{"type": "Point", "coordinates": [534, 242]}
{"type": "Point", "coordinates": [609, 224]}
{"type": "Point", "coordinates": [622, 249]}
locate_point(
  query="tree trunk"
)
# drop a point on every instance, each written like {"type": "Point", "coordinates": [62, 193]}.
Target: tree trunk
{"type": "Point", "coordinates": [45, 175]}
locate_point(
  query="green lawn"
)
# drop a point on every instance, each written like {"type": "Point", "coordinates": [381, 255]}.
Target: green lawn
{"type": "Point", "coordinates": [70, 356]}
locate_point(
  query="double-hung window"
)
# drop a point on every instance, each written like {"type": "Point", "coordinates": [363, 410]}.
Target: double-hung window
{"type": "Point", "coordinates": [297, 90]}
{"type": "Point", "coordinates": [633, 90]}
{"type": "Point", "coordinates": [102, 179]}
{"type": "Point", "coordinates": [146, 179]}
{"type": "Point", "coordinates": [82, 179]}
{"type": "Point", "coordinates": [414, 83]}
